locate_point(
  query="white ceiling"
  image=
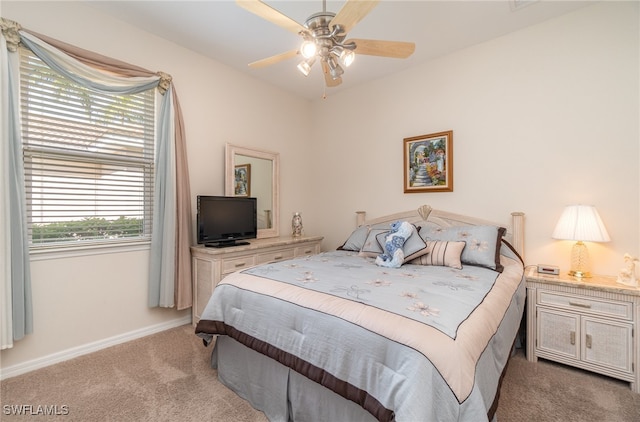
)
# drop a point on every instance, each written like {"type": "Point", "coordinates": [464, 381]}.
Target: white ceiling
{"type": "Point", "coordinates": [227, 33]}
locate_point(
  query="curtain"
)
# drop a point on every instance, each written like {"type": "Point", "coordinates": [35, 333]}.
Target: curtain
{"type": "Point", "coordinates": [169, 266]}
{"type": "Point", "coordinates": [182, 290]}
{"type": "Point", "coordinates": [15, 294]}
{"type": "Point", "coordinates": [6, 320]}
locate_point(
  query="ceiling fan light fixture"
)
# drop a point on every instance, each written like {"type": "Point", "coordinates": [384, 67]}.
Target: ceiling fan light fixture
{"type": "Point", "coordinates": [308, 49]}
{"type": "Point", "coordinates": [323, 38]}
{"type": "Point", "coordinates": [334, 68]}
{"type": "Point", "coordinates": [347, 57]}
{"type": "Point", "coordinates": [305, 66]}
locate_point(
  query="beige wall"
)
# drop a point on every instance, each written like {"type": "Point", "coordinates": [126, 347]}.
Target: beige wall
{"type": "Point", "coordinates": [541, 118]}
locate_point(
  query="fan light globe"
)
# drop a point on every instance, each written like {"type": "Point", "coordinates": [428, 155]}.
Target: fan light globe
{"type": "Point", "coordinates": [308, 49]}
{"type": "Point", "coordinates": [334, 68]}
{"type": "Point", "coordinates": [347, 57]}
{"type": "Point", "coordinates": [304, 68]}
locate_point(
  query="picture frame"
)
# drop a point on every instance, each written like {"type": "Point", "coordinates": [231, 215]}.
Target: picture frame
{"type": "Point", "coordinates": [428, 163]}
{"type": "Point", "coordinates": [242, 185]}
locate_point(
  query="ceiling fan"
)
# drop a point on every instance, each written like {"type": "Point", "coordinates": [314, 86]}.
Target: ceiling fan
{"type": "Point", "coordinates": [323, 36]}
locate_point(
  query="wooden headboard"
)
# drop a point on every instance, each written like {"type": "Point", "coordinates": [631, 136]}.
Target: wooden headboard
{"type": "Point", "coordinates": [514, 235]}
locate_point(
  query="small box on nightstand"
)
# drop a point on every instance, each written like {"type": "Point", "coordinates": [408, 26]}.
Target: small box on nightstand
{"type": "Point", "coordinates": [548, 269]}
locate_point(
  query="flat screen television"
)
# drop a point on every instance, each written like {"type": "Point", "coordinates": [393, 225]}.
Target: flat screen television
{"type": "Point", "coordinates": [226, 220]}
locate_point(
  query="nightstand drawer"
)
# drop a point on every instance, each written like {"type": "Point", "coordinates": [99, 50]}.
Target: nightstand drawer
{"type": "Point", "coordinates": [264, 258]}
{"type": "Point", "coordinates": [585, 304]}
{"type": "Point", "coordinates": [233, 264]}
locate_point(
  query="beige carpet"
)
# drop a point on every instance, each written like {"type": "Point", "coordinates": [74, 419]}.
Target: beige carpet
{"type": "Point", "coordinates": [166, 377]}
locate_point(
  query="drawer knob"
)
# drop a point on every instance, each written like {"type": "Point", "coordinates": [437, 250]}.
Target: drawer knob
{"type": "Point", "coordinates": [240, 264]}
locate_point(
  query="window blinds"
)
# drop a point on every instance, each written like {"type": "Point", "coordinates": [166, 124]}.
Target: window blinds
{"type": "Point", "coordinates": [88, 159]}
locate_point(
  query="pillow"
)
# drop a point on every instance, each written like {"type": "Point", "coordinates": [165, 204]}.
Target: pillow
{"type": "Point", "coordinates": [442, 253]}
{"type": "Point", "coordinates": [356, 239]}
{"type": "Point", "coordinates": [371, 247]}
{"type": "Point", "coordinates": [413, 247]}
{"type": "Point", "coordinates": [509, 251]}
{"type": "Point", "coordinates": [483, 243]}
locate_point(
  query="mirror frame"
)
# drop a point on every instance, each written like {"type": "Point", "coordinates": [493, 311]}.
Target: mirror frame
{"type": "Point", "coordinates": [229, 177]}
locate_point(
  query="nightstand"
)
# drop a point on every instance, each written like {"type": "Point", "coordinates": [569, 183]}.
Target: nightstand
{"type": "Point", "coordinates": [589, 323]}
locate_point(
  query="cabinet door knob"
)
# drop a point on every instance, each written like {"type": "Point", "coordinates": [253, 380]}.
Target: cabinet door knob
{"type": "Point", "coordinates": [588, 341]}
{"type": "Point", "coordinates": [572, 337]}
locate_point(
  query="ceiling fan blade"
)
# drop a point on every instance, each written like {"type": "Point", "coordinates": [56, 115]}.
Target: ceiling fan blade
{"type": "Point", "coordinates": [394, 49]}
{"type": "Point", "coordinates": [352, 12]}
{"type": "Point", "coordinates": [272, 15]}
{"type": "Point", "coordinates": [274, 59]}
{"type": "Point", "coordinates": [327, 76]}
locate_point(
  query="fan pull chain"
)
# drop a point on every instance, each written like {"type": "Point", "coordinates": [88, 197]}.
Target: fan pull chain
{"type": "Point", "coordinates": [324, 87]}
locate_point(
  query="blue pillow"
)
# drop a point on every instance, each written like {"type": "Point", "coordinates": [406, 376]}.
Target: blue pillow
{"type": "Point", "coordinates": [482, 243]}
{"type": "Point", "coordinates": [371, 247]}
{"type": "Point", "coordinates": [356, 240]}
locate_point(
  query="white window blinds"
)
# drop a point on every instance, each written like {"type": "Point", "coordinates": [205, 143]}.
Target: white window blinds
{"type": "Point", "coordinates": [88, 160]}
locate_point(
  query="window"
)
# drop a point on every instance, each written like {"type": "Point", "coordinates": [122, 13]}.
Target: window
{"type": "Point", "coordinates": [88, 158]}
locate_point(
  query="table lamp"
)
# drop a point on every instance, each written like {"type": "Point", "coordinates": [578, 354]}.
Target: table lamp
{"type": "Point", "coordinates": [581, 223]}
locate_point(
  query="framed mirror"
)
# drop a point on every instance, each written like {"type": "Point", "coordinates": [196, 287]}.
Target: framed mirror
{"type": "Point", "coordinates": [255, 173]}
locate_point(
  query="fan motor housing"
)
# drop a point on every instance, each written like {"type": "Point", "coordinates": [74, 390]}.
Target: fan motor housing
{"type": "Point", "coordinates": [319, 22]}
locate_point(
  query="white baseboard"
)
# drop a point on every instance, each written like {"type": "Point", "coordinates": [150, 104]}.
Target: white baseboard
{"type": "Point", "coordinates": [22, 368]}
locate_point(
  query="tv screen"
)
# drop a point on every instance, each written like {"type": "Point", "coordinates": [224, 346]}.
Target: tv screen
{"type": "Point", "coordinates": [224, 220]}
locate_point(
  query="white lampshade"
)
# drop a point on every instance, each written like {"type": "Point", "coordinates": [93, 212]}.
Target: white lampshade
{"type": "Point", "coordinates": [582, 223]}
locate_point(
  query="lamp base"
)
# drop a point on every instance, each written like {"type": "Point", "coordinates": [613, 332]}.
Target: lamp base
{"type": "Point", "coordinates": [580, 266]}
{"type": "Point", "coordinates": [580, 274]}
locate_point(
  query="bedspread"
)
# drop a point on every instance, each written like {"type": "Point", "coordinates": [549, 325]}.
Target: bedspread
{"type": "Point", "coordinates": [390, 339]}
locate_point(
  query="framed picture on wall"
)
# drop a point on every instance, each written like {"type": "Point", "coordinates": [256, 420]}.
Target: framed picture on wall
{"type": "Point", "coordinates": [428, 163]}
{"type": "Point", "coordinates": [243, 180]}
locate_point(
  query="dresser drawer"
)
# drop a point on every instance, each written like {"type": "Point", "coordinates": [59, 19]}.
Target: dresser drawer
{"type": "Point", "coordinates": [280, 255]}
{"type": "Point", "coordinates": [585, 304]}
{"type": "Point", "coordinates": [233, 264]}
{"type": "Point", "coordinates": [307, 250]}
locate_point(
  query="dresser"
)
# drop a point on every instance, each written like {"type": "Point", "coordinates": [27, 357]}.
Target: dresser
{"type": "Point", "coordinates": [210, 265]}
{"type": "Point", "coordinates": [589, 323]}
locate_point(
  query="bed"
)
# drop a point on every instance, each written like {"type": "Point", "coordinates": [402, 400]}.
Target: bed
{"type": "Point", "coordinates": [337, 337]}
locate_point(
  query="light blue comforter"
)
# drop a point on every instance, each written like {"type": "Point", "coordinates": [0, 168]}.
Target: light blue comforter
{"type": "Point", "coordinates": [426, 343]}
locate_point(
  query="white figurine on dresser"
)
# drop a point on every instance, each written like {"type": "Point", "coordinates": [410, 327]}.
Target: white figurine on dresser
{"type": "Point", "coordinates": [627, 275]}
